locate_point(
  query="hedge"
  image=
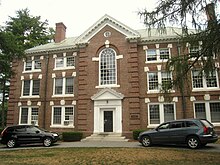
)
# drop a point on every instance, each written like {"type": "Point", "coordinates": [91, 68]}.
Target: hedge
{"type": "Point", "coordinates": [136, 133]}
{"type": "Point", "coordinates": [72, 136]}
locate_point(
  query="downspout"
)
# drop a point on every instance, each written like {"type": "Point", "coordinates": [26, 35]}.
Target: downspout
{"type": "Point", "coordinates": [45, 90]}
{"type": "Point", "coordinates": [182, 86]}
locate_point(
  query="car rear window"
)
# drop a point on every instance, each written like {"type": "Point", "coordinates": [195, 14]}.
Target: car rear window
{"type": "Point", "coordinates": [206, 123]}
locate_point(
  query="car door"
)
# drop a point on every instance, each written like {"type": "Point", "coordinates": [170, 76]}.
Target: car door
{"type": "Point", "coordinates": [177, 132]}
{"type": "Point", "coordinates": [161, 136]}
{"type": "Point", "coordinates": [20, 134]}
{"type": "Point", "coordinates": [33, 134]}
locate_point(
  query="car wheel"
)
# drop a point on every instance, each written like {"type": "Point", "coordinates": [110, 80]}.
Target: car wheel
{"type": "Point", "coordinates": [11, 143]}
{"type": "Point", "coordinates": [193, 142]}
{"type": "Point", "coordinates": [47, 142]}
{"type": "Point", "coordinates": [146, 141]}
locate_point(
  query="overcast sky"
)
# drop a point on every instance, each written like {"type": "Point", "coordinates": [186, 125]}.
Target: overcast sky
{"type": "Point", "coordinates": [78, 15]}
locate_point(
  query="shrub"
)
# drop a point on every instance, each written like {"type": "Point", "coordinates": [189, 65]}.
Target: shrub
{"type": "Point", "coordinates": [72, 136]}
{"type": "Point", "coordinates": [136, 133]}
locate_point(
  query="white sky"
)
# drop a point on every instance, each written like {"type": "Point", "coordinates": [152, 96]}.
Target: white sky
{"type": "Point", "coordinates": [78, 15]}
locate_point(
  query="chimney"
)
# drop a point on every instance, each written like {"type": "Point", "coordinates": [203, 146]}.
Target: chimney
{"type": "Point", "coordinates": [60, 33]}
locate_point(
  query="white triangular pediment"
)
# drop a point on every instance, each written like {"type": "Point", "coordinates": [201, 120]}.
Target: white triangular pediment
{"type": "Point", "coordinates": [107, 94]}
{"type": "Point", "coordinates": [101, 23]}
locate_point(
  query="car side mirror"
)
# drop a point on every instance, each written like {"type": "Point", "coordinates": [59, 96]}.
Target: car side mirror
{"type": "Point", "coordinates": [37, 132]}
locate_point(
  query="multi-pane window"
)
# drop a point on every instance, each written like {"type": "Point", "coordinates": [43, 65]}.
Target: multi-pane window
{"type": "Point", "coordinates": [154, 113]}
{"type": "Point", "coordinates": [57, 113]}
{"type": "Point", "coordinates": [28, 115]}
{"type": "Point", "coordinates": [64, 86]}
{"type": "Point", "coordinates": [32, 64]}
{"type": "Point", "coordinates": [69, 86]}
{"type": "Point", "coordinates": [164, 54]}
{"type": "Point", "coordinates": [208, 110]}
{"type": "Point", "coordinates": [159, 80]}
{"type": "Point", "coordinates": [215, 112]}
{"type": "Point", "coordinates": [64, 62]}
{"type": "Point", "coordinates": [63, 116]}
{"type": "Point", "coordinates": [161, 112]}
{"type": "Point", "coordinates": [31, 88]}
{"type": "Point", "coordinates": [58, 86]}
{"type": "Point", "coordinates": [107, 68]}
{"type": "Point", "coordinates": [157, 54]}
{"type": "Point", "coordinates": [200, 110]}
{"type": "Point", "coordinates": [151, 55]}
{"type": "Point", "coordinates": [194, 50]}
{"type": "Point", "coordinates": [153, 81]}
{"type": "Point", "coordinates": [200, 80]}
{"type": "Point", "coordinates": [166, 79]}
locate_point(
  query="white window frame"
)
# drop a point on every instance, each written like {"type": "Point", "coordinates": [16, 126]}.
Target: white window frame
{"type": "Point", "coordinates": [32, 65]}
{"type": "Point", "coordinates": [108, 85]}
{"type": "Point", "coordinates": [158, 60]}
{"type": "Point", "coordinates": [64, 57]}
{"type": "Point", "coordinates": [63, 125]}
{"type": "Point", "coordinates": [63, 87]}
{"type": "Point", "coordinates": [159, 76]}
{"type": "Point", "coordinates": [29, 119]}
{"type": "Point", "coordinates": [161, 111]}
{"type": "Point", "coordinates": [207, 110]}
{"type": "Point", "coordinates": [204, 83]}
{"type": "Point", "coordinates": [31, 90]}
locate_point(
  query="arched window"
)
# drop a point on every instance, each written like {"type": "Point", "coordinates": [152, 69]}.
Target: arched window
{"type": "Point", "coordinates": [107, 67]}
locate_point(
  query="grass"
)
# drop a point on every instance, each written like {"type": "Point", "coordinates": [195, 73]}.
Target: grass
{"type": "Point", "coordinates": [107, 156]}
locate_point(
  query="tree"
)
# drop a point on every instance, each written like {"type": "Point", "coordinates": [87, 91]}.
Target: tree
{"type": "Point", "coordinates": [9, 50]}
{"type": "Point", "coordinates": [183, 12]}
{"type": "Point", "coordinates": [188, 13]}
{"type": "Point", "coordinates": [20, 33]}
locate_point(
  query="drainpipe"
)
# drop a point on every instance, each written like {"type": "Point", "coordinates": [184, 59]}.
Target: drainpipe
{"type": "Point", "coordinates": [45, 91]}
{"type": "Point", "coordinates": [182, 86]}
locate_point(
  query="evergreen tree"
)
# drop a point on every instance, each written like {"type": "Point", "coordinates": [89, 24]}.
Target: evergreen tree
{"type": "Point", "coordinates": [20, 33]}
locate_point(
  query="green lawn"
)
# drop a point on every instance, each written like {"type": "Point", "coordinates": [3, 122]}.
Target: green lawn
{"type": "Point", "coordinates": [116, 156]}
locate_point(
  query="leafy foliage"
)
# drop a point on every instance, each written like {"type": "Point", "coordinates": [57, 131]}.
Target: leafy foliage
{"type": "Point", "coordinates": [20, 33]}
{"type": "Point", "coordinates": [72, 136]}
{"type": "Point", "coordinates": [207, 32]}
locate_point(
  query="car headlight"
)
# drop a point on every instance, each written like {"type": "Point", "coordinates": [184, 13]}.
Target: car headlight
{"type": "Point", "coordinates": [55, 134]}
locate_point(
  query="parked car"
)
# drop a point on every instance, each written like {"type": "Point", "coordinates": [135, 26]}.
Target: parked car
{"type": "Point", "coordinates": [27, 134]}
{"type": "Point", "coordinates": [193, 132]}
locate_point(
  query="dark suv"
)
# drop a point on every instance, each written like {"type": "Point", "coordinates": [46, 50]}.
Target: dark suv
{"type": "Point", "coordinates": [193, 132]}
{"type": "Point", "coordinates": [27, 134]}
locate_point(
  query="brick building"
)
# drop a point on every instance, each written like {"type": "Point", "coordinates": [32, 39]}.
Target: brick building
{"type": "Point", "coordinates": [107, 80]}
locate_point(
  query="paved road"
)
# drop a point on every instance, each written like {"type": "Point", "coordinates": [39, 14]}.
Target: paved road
{"type": "Point", "coordinates": [208, 148]}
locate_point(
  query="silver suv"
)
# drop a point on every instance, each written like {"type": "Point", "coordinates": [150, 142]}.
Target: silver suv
{"type": "Point", "coordinates": [193, 132]}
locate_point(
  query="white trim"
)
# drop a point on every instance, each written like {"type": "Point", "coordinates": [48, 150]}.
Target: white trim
{"type": "Point", "coordinates": [207, 110]}
{"type": "Point", "coordinates": [161, 112]}
{"type": "Point", "coordinates": [29, 114]}
{"type": "Point", "coordinates": [63, 87]}
{"type": "Point", "coordinates": [62, 117]}
{"type": "Point", "coordinates": [116, 74]}
{"type": "Point", "coordinates": [31, 90]}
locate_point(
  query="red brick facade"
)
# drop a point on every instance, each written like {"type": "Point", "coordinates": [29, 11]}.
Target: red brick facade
{"type": "Point", "coordinates": [132, 83]}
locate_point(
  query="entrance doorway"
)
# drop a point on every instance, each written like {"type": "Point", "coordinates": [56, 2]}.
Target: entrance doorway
{"type": "Point", "coordinates": [108, 121]}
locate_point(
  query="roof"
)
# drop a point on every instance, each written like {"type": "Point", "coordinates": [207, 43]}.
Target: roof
{"type": "Point", "coordinates": [142, 35]}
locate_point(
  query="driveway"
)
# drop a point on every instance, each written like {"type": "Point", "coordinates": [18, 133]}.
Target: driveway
{"type": "Point", "coordinates": [208, 148]}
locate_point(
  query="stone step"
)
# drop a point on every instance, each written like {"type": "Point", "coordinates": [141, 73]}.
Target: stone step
{"type": "Point", "coordinates": [105, 137]}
